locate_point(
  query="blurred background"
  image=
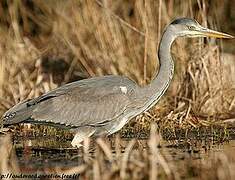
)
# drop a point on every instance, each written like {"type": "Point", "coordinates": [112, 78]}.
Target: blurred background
{"type": "Point", "coordinates": [45, 44]}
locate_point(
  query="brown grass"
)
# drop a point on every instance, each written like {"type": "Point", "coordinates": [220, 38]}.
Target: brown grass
{"type": "Point", "coordinates": [46, 44]}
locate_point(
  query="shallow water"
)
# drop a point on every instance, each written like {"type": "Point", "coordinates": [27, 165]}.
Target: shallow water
{"type": "Point", "coordinates": [39, 153]}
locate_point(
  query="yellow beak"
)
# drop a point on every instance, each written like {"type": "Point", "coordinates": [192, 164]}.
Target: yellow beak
{"type": "Point", "coordinates": [215, 34]}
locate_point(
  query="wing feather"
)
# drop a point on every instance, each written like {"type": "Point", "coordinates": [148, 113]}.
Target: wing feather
{"type": "Point", "coordinates": [85, 104]}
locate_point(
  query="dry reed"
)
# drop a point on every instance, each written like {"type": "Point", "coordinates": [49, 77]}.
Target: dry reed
{"type": "Point", "coordinates": [152, 162]}
{"type": "Point", "coordinates": [46, 44]}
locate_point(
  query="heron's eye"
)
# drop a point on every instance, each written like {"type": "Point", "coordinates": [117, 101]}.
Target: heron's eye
{"type": "Point", "coordinates": [191, 27]}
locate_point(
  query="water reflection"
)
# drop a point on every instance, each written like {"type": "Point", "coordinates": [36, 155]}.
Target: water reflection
{"type": "Point", "coordinates": [41, 153]}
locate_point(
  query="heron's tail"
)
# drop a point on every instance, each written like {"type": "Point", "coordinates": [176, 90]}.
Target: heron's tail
{"type": "Point", "coordinates": [18, 113]}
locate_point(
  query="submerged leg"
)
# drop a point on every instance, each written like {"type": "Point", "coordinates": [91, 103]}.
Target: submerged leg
{"type": "Point", "coordinates": [81, 135]}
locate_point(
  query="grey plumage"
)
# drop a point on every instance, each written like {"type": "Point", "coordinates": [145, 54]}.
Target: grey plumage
{"type": "Point", "coordinates": [89, 102]}
{"type": "Point", "coordinates": [103, 105]}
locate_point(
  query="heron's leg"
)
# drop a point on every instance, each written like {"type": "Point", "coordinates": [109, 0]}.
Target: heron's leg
{"type": "Point", "coordinates": [81, 135]}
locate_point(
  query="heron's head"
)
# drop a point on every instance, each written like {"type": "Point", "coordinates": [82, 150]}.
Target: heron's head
{"type": "Point", "coordinates": [191, 28]}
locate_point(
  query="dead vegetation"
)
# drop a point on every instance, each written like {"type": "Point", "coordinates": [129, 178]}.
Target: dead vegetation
{"type": "Point", "coordinates": [133, 159]}
{"type": "Point", "coordinates": [46, 44]}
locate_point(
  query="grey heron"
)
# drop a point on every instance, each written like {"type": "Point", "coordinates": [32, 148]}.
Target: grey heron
{"type": "Point", "coordinates": [103, 105]}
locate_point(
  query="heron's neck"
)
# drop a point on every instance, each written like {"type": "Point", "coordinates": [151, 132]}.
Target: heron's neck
{"type": "Point", "coordinates": [153, 92]}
